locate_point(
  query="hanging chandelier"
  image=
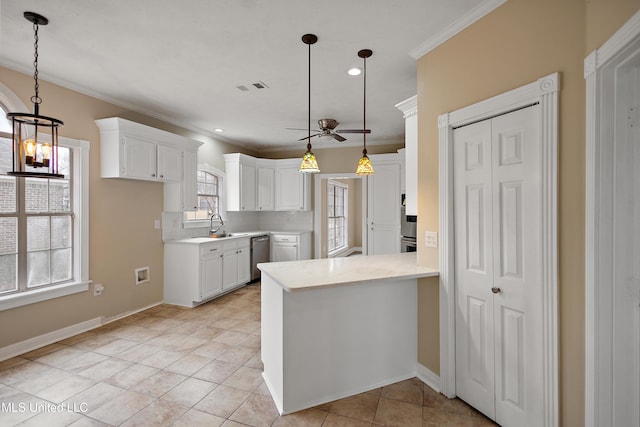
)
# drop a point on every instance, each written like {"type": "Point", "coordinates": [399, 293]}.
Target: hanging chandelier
{"type": "Point", "coordinates": [35, 137]}
{"type": "Point", "coordinates": [364, 164]}
{"type": "Point", "coordinates": [309, 163]}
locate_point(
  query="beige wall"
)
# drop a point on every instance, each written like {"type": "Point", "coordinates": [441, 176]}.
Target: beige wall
{"type": "Point", "coordinates": [122, 214]}
{"type": "Point", "coordinates": [516, 44]}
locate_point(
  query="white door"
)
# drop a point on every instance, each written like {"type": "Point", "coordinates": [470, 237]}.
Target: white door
{"type": "Point", "coordinates": [210, 275]}
{"type": "Point", "coordinates": [229, 269]}
{"type": "Point", "coordinates": [625, 326]}
{"type": "Point", "coordinates": [499, 316]}
{"type": "Point", "coordinates": [289, 189]}
{"type": "Point", "coordinates": [383, 210]}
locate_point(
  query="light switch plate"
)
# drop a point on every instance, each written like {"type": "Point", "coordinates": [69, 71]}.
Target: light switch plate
{"type": "Point", "coordinates": [431, 239]}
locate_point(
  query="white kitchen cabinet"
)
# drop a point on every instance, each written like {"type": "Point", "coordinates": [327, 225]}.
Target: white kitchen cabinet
{"type": "Point", "coordinates": [291, 246]}
{"type": "Point", "coordinates": [384, 200]}
{"type": "Point", "coordinates": [210, 275]}
{"type": "Point", "coordinates": [236, 268]}
{"type": "Point", "coordinates": [196, 270]}
{"type": "Point", "coordinates": [292, 187]}
{"type": "Point", "coordinates": [183, 195]}
{"type": "Point", "coordinates": [135, 151]}
{"type": "Point", "coordinates": [241, 177]}
{"type": "Point", "coordinates": [266, 188]}
{"type": "Point", "coordinates": [266, 184]}
{"type": "Point", "coordinates": [409, 108]}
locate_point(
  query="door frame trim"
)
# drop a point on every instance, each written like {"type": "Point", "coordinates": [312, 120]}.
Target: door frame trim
{"type": "Point", "coordinates": [545, 92]}
{"type": "Point", "coordinates": [595, 66]}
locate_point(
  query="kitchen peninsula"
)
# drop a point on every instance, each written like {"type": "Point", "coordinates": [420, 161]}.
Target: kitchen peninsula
{"type": "Point", "coordinates": [336, 327]}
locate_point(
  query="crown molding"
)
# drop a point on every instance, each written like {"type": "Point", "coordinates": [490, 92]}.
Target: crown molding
{"type": "Point", "coordinates": [483, 9]}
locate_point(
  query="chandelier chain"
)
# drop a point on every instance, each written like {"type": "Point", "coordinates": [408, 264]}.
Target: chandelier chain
{"type": "Point", "coordinates": [36, 100]}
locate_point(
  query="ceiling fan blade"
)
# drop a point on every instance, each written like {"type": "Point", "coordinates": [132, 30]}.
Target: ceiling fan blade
{"type": "Point", "coordinates": [309, 137]}
{"type": "Point", "coordinates": [355, 130]}
{"type": "Point", "coordinates": [296, 129]}
{"type": "Point", "coordinates": [338, 137]}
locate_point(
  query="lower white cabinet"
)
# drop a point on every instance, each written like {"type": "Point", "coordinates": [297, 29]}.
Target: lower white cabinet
{"type": "Point", "coordinates": [195, 272]}
{"type": "Point", "coordinates": [290, 246]}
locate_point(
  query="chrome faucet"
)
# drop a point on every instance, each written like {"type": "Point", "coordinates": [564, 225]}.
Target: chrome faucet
{"type": "Point", "coordinates": [217, 217]}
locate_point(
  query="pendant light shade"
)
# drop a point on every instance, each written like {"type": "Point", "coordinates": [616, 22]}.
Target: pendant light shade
{"type": "Point", "coordinates": [364, 164]}
{"type": "Point", "coordinates": [35, 137]}
{"type": "Point", "coordinates": [309, 163]}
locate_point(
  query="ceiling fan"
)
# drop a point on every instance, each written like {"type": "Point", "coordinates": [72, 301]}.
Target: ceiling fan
{"type": "Point", "coordinates": [327, 127]}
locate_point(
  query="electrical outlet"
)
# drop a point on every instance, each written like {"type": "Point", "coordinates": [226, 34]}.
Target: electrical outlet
{"type": "Point", "coordinates": [431, 239]}
{"type": "Point", "coordinates": [98, 288]}
{"type": "Point", "coordinates": [156, 224]}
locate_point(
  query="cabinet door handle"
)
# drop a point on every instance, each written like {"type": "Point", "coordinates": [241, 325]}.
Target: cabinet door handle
{"type": "Point", "coordinates": [212, 250]}
{"type": "Point", "coordinates": [161, 176]}
{"type": "Point", "coordinates": [495, 290]}
{"type": "Point", "coordinates": [153, 175]}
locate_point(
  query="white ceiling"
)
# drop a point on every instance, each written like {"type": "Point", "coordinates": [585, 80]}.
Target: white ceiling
{"type": "Point", "coordinates": [182, 60]}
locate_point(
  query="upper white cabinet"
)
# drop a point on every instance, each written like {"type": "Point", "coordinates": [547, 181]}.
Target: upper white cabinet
{"type": "Point", "coordinates": [265, 184]}
{"type": "Point", "coordinates": [134, 151]}
{"type": "Point", "coordinates": [241, 177]}
{"type": "Point", "coordinates": [266, 188]}
{"type": "Point", "coordinates": [292, 187]}
{"type": "Point", "coordinates": [409, 108]}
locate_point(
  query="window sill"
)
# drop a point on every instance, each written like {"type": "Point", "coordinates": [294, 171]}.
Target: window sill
{"type": "Point", "coordinates": [195, 223]}
{"type": "Point", "coordinates": [37, 295]}
{"type": "Point", "coordinates": [343, 250]}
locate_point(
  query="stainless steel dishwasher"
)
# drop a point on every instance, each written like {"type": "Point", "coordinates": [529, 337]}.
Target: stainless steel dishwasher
{"type": "Point", "coordinates": [259, 253]}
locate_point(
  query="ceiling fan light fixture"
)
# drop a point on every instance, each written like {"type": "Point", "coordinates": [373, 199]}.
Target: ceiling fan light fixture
{"type": "Point", "coordinates": [364, 167]}
{"type": "Point", "coordinates": [309, 163]}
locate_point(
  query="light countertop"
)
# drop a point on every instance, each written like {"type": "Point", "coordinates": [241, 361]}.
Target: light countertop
{"type": "Point", "coordinates": [232, 235]}
{"type": "Point", "coordinates": [315, 273]}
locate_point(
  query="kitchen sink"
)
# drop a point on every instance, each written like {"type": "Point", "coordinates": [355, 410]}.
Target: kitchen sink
{"type": "Point", "coordinates": [219, 235]}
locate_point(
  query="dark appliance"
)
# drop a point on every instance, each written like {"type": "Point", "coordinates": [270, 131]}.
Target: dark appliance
{"type": "Point", "coordinates": [259, 253]}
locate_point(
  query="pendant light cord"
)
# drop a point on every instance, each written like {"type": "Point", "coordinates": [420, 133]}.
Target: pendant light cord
{"type": "Point", "coordinates": [36, 100]}
{"type": "Point", "coordinates": [364, 109]}
{"type": "Point", "coordinates": [309, 109]}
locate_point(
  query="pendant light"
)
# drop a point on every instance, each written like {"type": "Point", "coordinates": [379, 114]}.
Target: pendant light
{"type": "Point", "coordinates": [364, 164]}
{"type": "Point", "coordinates": [33, 155]}
{"type": "Point", "coordinates": [309, 163]}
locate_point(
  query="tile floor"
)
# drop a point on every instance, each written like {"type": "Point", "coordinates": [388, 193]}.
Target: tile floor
{"type": "Point", "coordinates": [190, 367]}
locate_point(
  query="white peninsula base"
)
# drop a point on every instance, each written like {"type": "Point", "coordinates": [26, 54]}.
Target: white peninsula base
{"type": "Point", "coordinates": [328, 341]}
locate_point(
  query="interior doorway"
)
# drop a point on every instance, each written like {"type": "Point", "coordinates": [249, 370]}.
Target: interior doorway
{"type": "Point", "coordinates": [543, 92]}
{"type": "Point", "coordinates": [612, 273]}
{"type": "Point", "coordinates": [357, 210]}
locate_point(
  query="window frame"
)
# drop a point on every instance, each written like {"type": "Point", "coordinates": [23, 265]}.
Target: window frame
{"type": "Point", "coordinates": [345, 227]}
{"type": "Point", "coordinates": [79, 153]}
{"type": "Point", "coordinates": [198, 223]}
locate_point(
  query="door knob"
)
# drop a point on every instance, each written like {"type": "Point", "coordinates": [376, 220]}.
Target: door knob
{"type": "Point", "coordinates": [495, 290]}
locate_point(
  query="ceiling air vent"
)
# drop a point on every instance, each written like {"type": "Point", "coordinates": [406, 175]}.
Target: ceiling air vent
{"type": "Point", "coordinates": [260, 85]}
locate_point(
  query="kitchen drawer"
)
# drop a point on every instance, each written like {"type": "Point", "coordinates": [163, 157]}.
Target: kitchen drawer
{"type": "Point", "coordinates": [284, 238]}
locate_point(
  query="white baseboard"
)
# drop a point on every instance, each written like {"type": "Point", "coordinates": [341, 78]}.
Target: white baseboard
{"type": "Point", "coordinates": [428, 377]}
{"type": "Point", "coordinates": [35, 343]}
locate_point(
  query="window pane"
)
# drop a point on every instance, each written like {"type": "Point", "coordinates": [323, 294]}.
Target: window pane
{"type": "Point", "coordinates": [8, 254]}
{"type": "Point", "coordinates": [59, 195]}
{"type": "Point", "coordinates": [60, 232]}
{"type": "Point", "coordinates": [61, 264]}
{"type": "Point", "coordinates": [5, 124]}
{"type": "Point", "coordinates": [64, 161]}
{"type": "Point", "coordinates": [37, 268]}
{"type": "Point", "coordinates": [36, 195]}
{"type": "Point", "coordinates": [38, 235]}
{"type": "Point", "coordinates": [8, 194]}
{"type": "Point", "coordinates": [6, 153]}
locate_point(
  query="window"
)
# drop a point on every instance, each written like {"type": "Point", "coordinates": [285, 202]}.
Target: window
{"type": "Point", "coordinates": [43, 227]}
{"type": "Point", "coordinates": [209, 196]}
{"type": "Point", "coordinates": [336, 216]}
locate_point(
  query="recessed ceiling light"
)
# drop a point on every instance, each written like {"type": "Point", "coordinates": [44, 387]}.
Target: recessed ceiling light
{"type": "Point", "coordinates": [355, 71]}
{"type": "Point", "coordinates": [219, 130]}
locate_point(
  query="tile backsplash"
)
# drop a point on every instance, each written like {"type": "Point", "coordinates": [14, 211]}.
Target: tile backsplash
{"type": "Point", "coordinates": [172, 227]}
